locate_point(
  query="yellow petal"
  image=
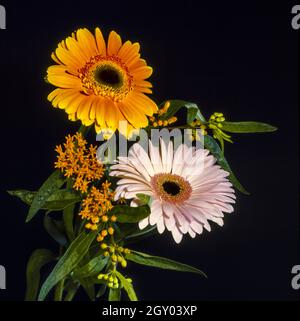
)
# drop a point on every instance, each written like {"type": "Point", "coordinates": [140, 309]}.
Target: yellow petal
{"type": "Point", "coordinates": [64, 80]}
{"type": "Point", "coordinates": [84, 108]}
{"type": "Point", "coordinates": [87, 41]}
{"type": "Point", "coordinates": [111, 116]}
{"type": "Point", "coordinates": [143, 72]}
{"type": "Point", "coordinates": [74, 103]}
{"type": "Point", "coordinates": [63, 101]}
{"type": "Point", "coordinates": [132, 114]}
{"type": "Point", "coordinates": [100, 113]}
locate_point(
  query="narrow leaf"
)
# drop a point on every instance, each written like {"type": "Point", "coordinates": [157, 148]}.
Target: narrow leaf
{"type": "Point", "coordinates": [56, 202]}
{"type": "Point", "coordinates": [93, 267]}
{"type": "Point", "coordinates": [74, 254]}
{"type": "Point", "coordinates": [68, 217]}
{"type": "Point", "coordinates": [55, 230]}
{"type": "Point", "coordinates": [176, 105]}
{"type": "Point", "coordinates": [127, 286]}
{"type": "Point", "coordinates": [114, 294]}
{"type": "Point", "coordinates": [38, 259]}
{"type": "Point", "coordinates": [52, 184]}
{"type": "Point", "coordinates": [161, 262]}
{"type": "Point", "coordinates": [128, 214]}
{"type": "Point", "coordinates": [211, 144]}
{"type": "Point", "coordinates": [247, 127]}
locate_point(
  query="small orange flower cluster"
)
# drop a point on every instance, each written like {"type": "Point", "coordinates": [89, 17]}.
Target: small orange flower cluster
{"type": "Point", "coordinates": [156, 120]}
{"type": "Point", "coordinates": [79, 162]}
{"type": "Point", "coordinates": [95, 207]}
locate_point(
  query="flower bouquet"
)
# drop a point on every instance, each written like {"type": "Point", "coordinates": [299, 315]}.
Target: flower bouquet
{"type": "Point", "coordinates": [156, 168]}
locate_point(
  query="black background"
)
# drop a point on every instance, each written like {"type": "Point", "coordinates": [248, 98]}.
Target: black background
{"type": "Point", "coordinates": [239, 58]}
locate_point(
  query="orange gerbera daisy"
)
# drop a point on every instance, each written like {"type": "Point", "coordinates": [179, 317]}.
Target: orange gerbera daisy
{"type": "Point", "coordinates": [99, 83]}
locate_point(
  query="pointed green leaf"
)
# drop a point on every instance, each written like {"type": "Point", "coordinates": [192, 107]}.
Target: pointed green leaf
{"type": "Point", "coordinates": [247, 127]}
{"type": "Point", "coordinates": [176, 105]}
{"type": "Point", "coordinates": [59, 200]}
{"type": "Point", "coordinates": [68, 216]}
{"type": "Point", "coordinates": [55, 229]}
{"type": "Point", "coordinates": [93, 267]}
{"type": "Point", "coordinates": [38, 259]}
{"type": "Point", "coordinates": [127, 286]}
{"type": "Point", "coordinates": [51, 185]}
{"type": "Point", "coordinates": [101, 291]}
{"type": "Point", "coordinates": [114, 294]}
{"type": "Point", "coordinates": [161, 262]}
{"type": "Point", "coordinates": [128, 214]}
{"type": "Point", "coordinates": [139, 234]}
{"type": "Point", "coordinates": [211, 144]}
{"type": "Point", "coordinates": [74, 254]}
{"type": "Point", "coordinates": [192, 114]}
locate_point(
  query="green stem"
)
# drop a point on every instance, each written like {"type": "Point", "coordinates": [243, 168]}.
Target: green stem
{"type": "Point", "coordinates": [84, 130]}
{"type": "Point", "coordinates": [71, 293]}
{"type": "Point", "coordinates": [59, 289]}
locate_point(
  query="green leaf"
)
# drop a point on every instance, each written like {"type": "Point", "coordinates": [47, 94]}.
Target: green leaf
{"type": "Point", "coordinates": [128, 214]}
{"type": "Point", "coordinates": [139, 235]}
{"type": "Point", "coordinates": [93, 267]}
{"type": "Point", "coordinates": [161, 262]}
{"type": "Point", "coordinates": [62, 199]}
{"type": "Point", "coordinates": [59, 200]}
{"type": "Point", "coordinates": [127, 286]}
{"type": "Point", "coordinates": [101, 291]}
{"type": "Point", "coordinates": [176, 105]}
{"type": "Point", "coordinates": [68, 216]}
{"type": "Point", "coordinates": [38, 259]}
{"type": "Point", "coordinates": [55, 229]}
{"type": "Point", "coordinates": [24, 195]}
{"type": "Point", "coordinates": [144, 199]}
{"type": "Point", "coordinates": [51, 185]}
{"type": "Point", "coordinates": [114, 294]}
{"type": "Point", "coordinates": [247, 127]}
{"type": "Point", "coordinates": [211, 144]}
{"type": "Point", "coordinates": [74, 254]}
{"type": "Point", "coordinates": [192, 114]}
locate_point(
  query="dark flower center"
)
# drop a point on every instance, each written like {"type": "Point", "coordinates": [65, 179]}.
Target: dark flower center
{"type": "Point", "coordinates": [108, 76]}
{"type": "Point", "coordinates": [171, 188]}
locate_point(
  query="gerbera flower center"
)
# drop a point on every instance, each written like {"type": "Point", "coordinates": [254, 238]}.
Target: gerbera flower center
{"type": "Point", "coordinates": [171, 188]}
{"type": "Point", "coordinates": [107, 77]}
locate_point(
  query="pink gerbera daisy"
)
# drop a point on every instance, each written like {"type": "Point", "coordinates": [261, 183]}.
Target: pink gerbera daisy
{"type": "Point", "coordinates": [185, 196]}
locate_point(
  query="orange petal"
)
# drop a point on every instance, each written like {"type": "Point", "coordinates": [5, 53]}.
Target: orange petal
{"type": "Point", "coordinates": [129, 51]}
{"type": "Point", "coordinates": [100, 42]}
{"type": "Point", "coordinates": [114, 43]}
{"type": "Point", "coordinates": [142, 72]}
{"type": "Point", "coordinates": [132, 114]}
{"type": "Point", "coordinates": [63, 101]}
{"type": "Point", "coordinates": [111, 115]}
{"type": "Point", "coordinates": [87, 42]}
{"type": "Point", "coordinates": [100, 112]}
{"type": "Point", "coordinates": [64, 80]}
